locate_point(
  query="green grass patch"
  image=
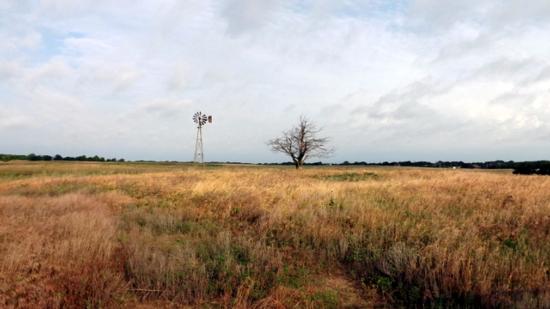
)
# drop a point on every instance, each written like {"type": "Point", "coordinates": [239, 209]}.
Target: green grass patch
{"type": "Point", "coordinates": [293, 277]}
{"type": "Point", "coordinates": [327, 299]}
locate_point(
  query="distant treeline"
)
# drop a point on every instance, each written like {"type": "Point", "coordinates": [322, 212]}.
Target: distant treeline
{"type": "Point", "coordinates": [525, 168]}
{"type": "Point", "coordinates": [35, 157]}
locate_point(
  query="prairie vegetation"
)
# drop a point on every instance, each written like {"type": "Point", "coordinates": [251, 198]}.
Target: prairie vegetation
{"type": "Point", "coordinates": [128, 235]}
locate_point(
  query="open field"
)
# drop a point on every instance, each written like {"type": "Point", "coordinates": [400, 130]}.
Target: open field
{"type": "Point", "coordinates": [127, 235]}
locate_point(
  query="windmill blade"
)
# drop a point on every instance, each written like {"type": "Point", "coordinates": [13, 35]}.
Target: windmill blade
{"type": "Point", "coordinates": [197, 117]}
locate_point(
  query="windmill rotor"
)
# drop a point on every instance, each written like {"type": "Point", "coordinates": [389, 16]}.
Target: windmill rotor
{"type": "Point", "coordinates": [200, 118]}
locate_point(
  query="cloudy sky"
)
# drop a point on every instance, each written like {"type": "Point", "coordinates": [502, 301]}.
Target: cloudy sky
{"type": "Point", "coordinates": [387, 80]}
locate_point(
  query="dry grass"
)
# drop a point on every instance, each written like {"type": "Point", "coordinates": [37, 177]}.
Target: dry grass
{"type": "Point", "coordinates": [111, 235]}
{"type": "Point", "coordinates": [58, 252]}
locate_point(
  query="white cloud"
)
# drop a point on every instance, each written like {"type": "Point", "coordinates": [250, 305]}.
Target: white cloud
{"type": "Point", "coordinates": [164, 108]}
{"type": "Point", "coordinates": [9, 70]}
{"type": "Point", "coordinates": [416, 79]}
{"type": "Point", "coordinates": [12, 121]}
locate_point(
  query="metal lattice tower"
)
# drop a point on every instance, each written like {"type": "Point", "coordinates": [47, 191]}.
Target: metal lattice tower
{"type": "Point", "coordinates": [200, 119]}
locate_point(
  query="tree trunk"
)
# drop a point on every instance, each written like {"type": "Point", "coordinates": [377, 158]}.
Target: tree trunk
{"type": "Point", "coordinates": [298, 164]}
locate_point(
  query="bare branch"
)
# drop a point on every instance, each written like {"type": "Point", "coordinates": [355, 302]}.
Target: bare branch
{"type": "Point", "coordinates": [302, 143]}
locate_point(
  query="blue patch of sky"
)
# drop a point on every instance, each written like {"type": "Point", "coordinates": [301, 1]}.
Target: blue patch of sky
{"type": "Point", "coordinates": [366, 9]}
{"type": "Point", "coordinates": [357, 8]}
{"type": "Point", "coordinates": [5, 92]}
{"type": "Point", "coordinates": [52, 44]}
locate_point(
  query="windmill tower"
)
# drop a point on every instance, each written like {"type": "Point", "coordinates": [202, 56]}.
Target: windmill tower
{"type": "Point", "coordinates": [200, 119]}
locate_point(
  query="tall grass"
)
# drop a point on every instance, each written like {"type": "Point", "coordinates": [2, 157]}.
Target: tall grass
{"type": "Point", "coordinates": [272, 237]}
{"type": "Point", "coordinates": [58, 252]}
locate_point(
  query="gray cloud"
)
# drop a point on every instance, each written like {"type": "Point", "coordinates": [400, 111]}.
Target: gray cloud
{"type": "Point", "coordinates": [247, 15]}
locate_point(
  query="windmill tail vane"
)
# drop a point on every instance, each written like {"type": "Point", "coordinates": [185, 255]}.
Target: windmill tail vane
{"type": "Point", "coordinates": [200, 119]}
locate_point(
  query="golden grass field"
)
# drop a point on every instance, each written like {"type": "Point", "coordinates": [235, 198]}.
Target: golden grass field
{"type": "Point", "coordinates": [111, 235]}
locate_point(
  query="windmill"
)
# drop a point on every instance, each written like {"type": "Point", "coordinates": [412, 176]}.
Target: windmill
{"type": "Point", "coordinates": [200, 119]}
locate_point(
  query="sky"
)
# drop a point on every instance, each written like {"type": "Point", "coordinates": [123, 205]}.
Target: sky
{"type": "Point", "coordinates": [385, 80]}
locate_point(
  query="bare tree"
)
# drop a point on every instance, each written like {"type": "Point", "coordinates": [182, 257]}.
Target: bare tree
{"type": "Point", "coordinates": [301, 142]}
